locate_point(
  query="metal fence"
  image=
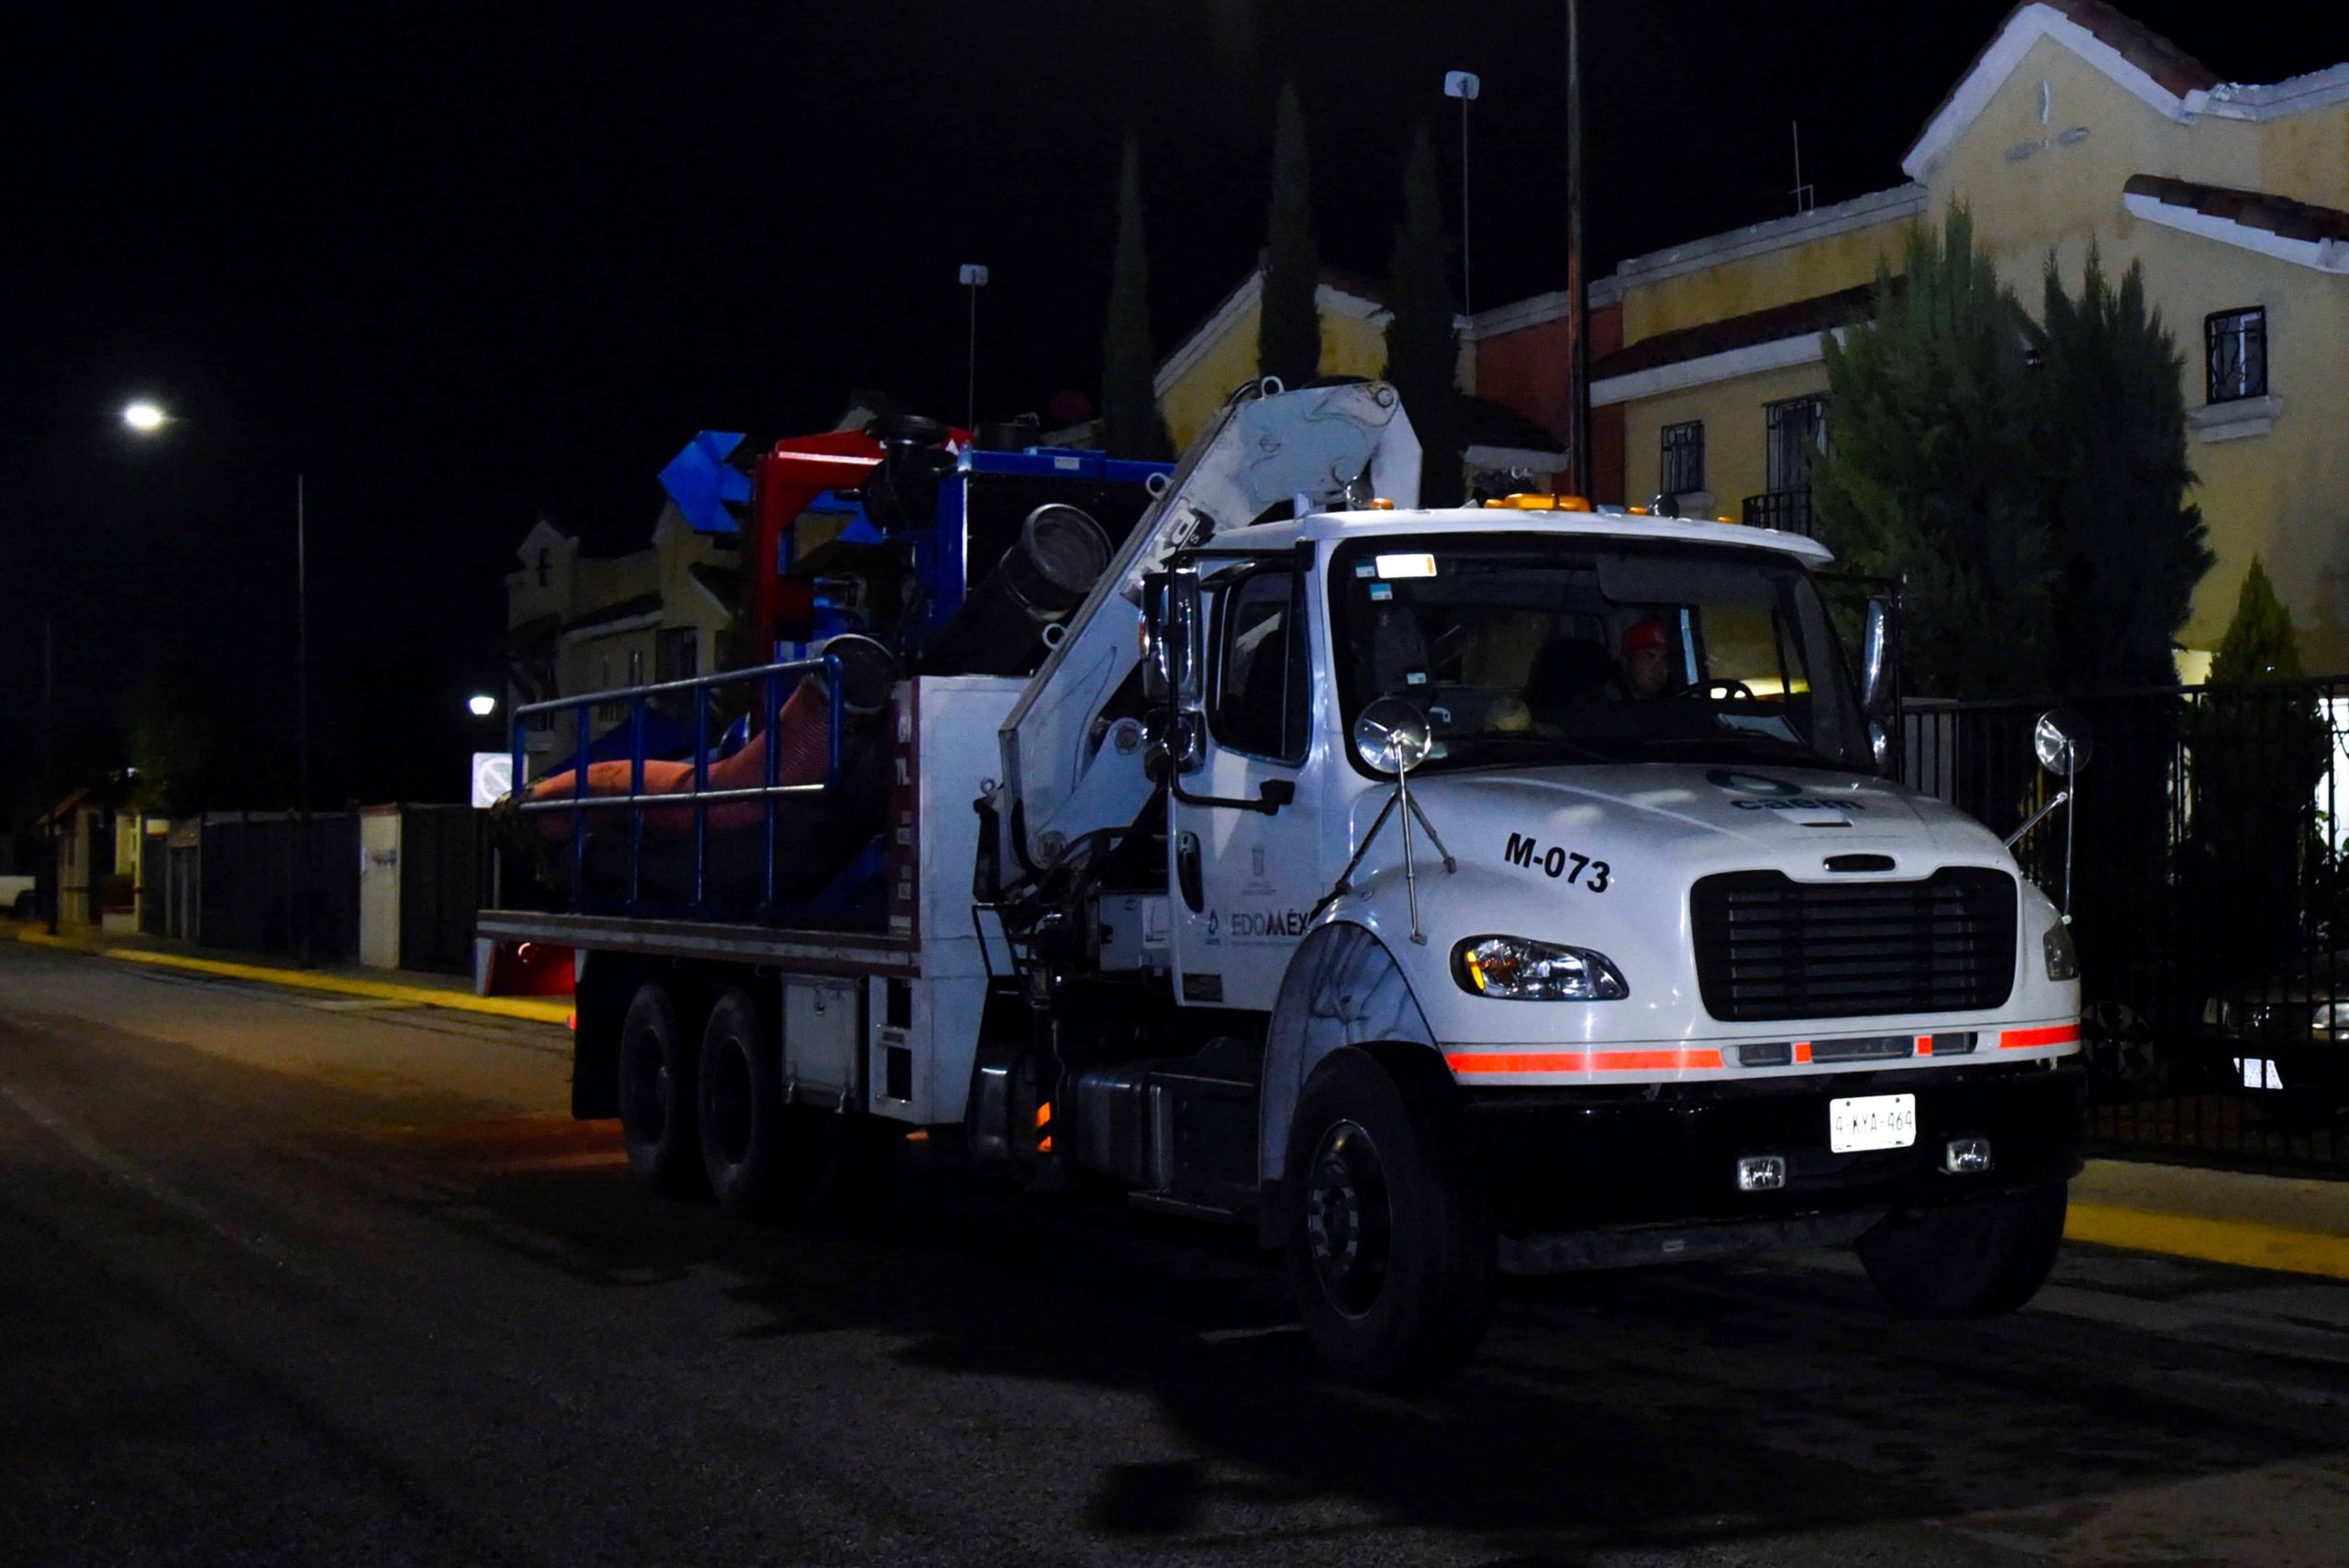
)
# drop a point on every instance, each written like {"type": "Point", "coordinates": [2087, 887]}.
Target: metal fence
{"type": "Point", "coordinates": [2209, 894]}
{"type": "Point", "coordinates": [260, 895]}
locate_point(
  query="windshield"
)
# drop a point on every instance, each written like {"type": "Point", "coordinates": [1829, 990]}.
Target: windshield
{"type": "Point", "coordinates": [1527, 647]}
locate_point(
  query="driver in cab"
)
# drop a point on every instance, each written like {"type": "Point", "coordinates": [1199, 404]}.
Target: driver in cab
{"type": "Point", "coordinates": [1647, 659]}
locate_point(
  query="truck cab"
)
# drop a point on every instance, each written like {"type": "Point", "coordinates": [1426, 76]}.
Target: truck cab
{"type": "Point", "coordinates": [1552, 848]}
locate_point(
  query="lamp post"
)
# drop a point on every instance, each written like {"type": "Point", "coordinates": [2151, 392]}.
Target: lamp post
{"type": "Point", "coordinates": [147, 418]}
{"type": "Point", "coordinates": [973, 278]}
{"type": "Point", "coordinates": [1464, 86]}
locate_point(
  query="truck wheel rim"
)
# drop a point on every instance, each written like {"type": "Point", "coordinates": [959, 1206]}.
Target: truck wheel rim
{"type": "Point", "coordinates": [648, 1092]}
{"type": "Point", "coordinates": [1349, 1226]}
{"type": "Point", "coordinates": [729, 1106]}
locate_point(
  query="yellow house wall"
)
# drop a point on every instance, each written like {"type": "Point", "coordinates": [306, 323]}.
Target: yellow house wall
{"type": "Point", "coordinates": [1350, 346]}
{"type": "Point", "coordinates": [1736, 462]}
{"type": "Point", "coordinates": [2284, 494]}
{"type": "Point", "coordinates": [1780, 277]}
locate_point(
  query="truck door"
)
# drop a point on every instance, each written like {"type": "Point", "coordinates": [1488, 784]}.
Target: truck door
{"type": "Point", "coordinates": [1244, 862]}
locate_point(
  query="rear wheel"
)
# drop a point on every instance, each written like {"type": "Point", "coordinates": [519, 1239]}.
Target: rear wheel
{"type": "Point", "coordinates": [25, 906]}
{"type": "Point", "coordinates": [656, 1094]}
{"type": "Point", "coordinates": [1388, 1235]}
{"type": "Point", "coordinates": [756, 1151]}
{"type": "Point", "coordinates": [1967, 1259]}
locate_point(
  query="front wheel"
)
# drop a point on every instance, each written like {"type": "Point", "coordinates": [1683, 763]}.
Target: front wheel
{"type": "Point", "coordinates": [1388, 1231]}
{"type": "Point", "coordinates": [1975, 1259]}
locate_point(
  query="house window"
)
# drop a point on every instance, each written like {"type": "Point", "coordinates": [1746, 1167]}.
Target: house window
{"type": "Point", "coordinates": [2235, 345]}
{"type": "Point", "coordinates": [1796, 430]}
{"type": "Point", "coordinates": [677, 655]}
{"type": "Point", "coordinates": [1684, 458]}
{"type": "Point", "coordinates": [546, 565]}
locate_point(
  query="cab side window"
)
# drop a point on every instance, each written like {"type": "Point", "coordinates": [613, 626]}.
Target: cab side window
{"type": "Point", "coordinates": [1261, 693]}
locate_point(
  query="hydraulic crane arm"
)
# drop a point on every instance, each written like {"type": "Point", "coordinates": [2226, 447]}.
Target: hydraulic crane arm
{"type": "Point", "coordinates": [1325, 448]}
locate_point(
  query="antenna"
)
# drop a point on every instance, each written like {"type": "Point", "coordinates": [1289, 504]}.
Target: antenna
{"type": "Point", "coordinates": [1804, 199]}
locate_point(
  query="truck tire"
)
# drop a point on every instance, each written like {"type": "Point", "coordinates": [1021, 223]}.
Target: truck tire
{"type": "Point", "coordinates": [1387, 1226]}
{"type": "Point", "coordinates": [26, 907]}
{"type": "Point", "coordinates": [1967, 1260]}
{"type": "Point", "coordinates": [656, 1092]}
{"type": "Point", "coordinates": [758, 1153]}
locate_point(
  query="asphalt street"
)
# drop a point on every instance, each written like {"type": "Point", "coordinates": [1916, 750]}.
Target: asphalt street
{"type": "Point", "coordinates": [289, 1278]}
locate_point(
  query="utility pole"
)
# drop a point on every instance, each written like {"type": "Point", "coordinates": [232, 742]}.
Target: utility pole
{"type": "Point", "coordinates": [973, 278]}
{"type": "Point", "coordinates": [49, 762]}
{"type": "Point", "coordinates": [1577, 305]}
{"type": "Point", "coordinates": [302, 699]}
{"type": "Point", "coordinates": [1464, 86]}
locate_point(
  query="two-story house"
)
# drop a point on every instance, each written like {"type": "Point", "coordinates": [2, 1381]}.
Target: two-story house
{"type": "Point", "coordinates": [2075, 125]}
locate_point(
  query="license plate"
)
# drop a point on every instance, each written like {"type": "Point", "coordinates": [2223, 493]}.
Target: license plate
{"type": "Point", "coordinates": [1871, 1121]}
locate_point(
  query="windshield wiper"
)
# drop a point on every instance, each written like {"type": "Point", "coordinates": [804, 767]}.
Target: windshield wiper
{"type": "Point", "coordinates": [1468, 746]}
{"type": "Point", "coordinates": [1792, 751]}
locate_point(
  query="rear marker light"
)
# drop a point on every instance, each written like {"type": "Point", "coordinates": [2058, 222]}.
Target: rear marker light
{"type": "Point", "coordinates": [1761, 1172]}
{"type": "Point", "coordinates": [1966, 1156]}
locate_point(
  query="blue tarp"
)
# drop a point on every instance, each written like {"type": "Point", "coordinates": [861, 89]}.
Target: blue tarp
{"type": "Point", "coordinates": [701, 482]}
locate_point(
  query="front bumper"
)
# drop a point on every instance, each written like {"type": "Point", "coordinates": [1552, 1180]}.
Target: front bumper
{"type": "Point", "coordinates": [1576, 1160]}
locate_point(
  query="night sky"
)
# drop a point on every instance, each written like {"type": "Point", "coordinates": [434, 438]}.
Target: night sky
{"type": "Point", "coordinates": [462, 266]}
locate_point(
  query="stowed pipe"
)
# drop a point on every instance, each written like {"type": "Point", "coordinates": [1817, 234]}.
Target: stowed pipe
{"type": "Point", "coordinates": [1003, 627]}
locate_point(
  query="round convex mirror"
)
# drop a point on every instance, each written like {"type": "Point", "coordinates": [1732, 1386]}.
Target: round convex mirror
{"type": "Point", "coordinates": [1391, 736]}
{"type": "Point", "coordinates": [2061, 738]}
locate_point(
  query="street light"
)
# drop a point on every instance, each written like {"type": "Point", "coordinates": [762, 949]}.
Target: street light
{"type": "Point", "coordinates": [481, 705]}
{"type": "Point", "coordinates": [1464, 86]}
{"type": "Point", "coordinates": [973, 278]}
{"type": "Point", "coordinates": [147, 420]}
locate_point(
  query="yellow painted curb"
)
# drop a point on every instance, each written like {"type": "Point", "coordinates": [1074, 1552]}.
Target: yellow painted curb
{"type": "Point", "coordinates": [532, 1010]}
{"type": "Point", "coordinates": [2243, 1242]}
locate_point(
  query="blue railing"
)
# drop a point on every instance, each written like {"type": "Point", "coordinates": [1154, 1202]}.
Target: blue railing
{"type": "Point", "coordinates": [775, 681]}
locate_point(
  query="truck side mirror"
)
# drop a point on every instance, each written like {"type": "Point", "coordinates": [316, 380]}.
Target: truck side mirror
{"type": "Point", "coordinates": [1879, 663]}
{"type": "Point", "coordinates": [1172, 670]}
{"type": "Point", "coordinates": [1157, 679]}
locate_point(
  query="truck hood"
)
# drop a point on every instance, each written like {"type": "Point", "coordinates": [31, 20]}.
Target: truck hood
{"type": "Point", "coordinates": [1713, 815]}
{"type": "Point", "coordinates": [1603, 857]}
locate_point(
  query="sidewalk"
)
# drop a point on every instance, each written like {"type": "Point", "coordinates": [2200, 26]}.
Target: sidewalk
{"type": "Point", "coordinates": [450, 991]}
{"type": "Point", "coordinates": [2295, 1225]}
{"type": "Point", "coordinates": [2288, 1224]}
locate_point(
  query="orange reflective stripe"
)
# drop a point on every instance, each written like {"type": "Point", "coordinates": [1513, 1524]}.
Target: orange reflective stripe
{"type": "Point", "coordinates": [1924, 1045]}
{"type": "Point", "coordinates": [2052, 1034]}
{"type": "Point", "coordinates": [1581, 1061]}
{"type": "Point", "coordinates": [1802, 1051]}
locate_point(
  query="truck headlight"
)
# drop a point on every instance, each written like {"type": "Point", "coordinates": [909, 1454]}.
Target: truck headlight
{"type": "Point", "coordinates": [2063, 959]}
{"type": "Point", "coordinates": [1515, 969]}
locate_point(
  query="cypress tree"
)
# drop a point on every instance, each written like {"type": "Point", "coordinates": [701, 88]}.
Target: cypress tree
{"type": "Point", "coordinates": [1131, 424]}
{"type": "Point", "coordinates": [2253, 864]}
{"type": "Point", "coordinates": [1288, 334]}
{"type": "Point", "coordinates": [1423, 343]}
{"type": "Point", "coordinates": [1928, 473]}
{"type": "Point", "coordinates": [2112, 458]}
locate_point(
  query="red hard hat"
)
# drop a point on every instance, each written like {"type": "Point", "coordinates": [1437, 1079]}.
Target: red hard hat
{"type": "Point", "coordinates": [1642, 635]}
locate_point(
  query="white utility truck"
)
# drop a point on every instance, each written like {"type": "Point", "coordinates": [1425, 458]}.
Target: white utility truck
{"type": "Point", "coordinates": [1338, 874]}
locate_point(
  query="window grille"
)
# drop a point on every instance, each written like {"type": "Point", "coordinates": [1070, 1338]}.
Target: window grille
{"type": "Point", "coordinates": [2235, 345]}
{"type": "Point", "coordinates": [1684, 458]}
{"type": "Point", "coordinates": [1796, 433]}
